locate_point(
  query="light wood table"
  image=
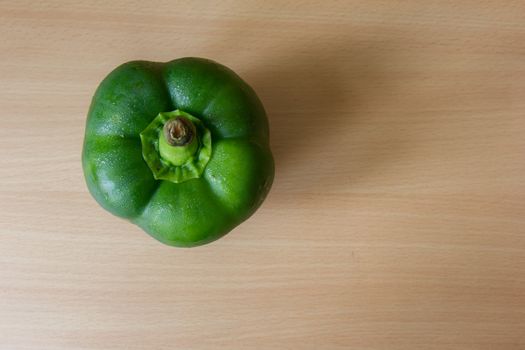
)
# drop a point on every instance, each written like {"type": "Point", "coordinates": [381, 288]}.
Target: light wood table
{"type": "Point", "coordinates": [397, 216]}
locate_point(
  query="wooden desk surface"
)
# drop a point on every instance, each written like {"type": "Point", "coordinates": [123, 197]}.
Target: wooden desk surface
{"type": "Point", "coordinates": [403, 227]}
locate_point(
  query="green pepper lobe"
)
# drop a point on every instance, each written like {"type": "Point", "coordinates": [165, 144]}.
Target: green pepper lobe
{"type": "Point", "coordinates": [179, 148]}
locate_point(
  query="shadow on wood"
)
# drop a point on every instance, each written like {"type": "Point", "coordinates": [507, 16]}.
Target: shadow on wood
{"type": "Point", "coordinates": [325, 97]}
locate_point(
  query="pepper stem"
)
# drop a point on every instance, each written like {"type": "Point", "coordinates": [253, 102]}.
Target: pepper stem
{"type": "Point", "coordinates": [178, 141]}
{"type": "Point", "coordinates": [178, 131]}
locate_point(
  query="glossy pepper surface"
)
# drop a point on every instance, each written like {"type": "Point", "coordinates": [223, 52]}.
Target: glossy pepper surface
{"type": "Point", "coordinates": [179, 148]}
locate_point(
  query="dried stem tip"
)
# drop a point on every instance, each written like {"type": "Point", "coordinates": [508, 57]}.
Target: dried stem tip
{"type": "Point", "coordinates": [178, 131]}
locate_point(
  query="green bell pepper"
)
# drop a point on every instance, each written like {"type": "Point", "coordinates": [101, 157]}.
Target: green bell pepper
{"type": "Point", "coordinates": [179, 148]}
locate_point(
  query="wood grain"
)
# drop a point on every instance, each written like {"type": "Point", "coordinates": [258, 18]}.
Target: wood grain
{"type": "Point", "coordinates": [397, 217]}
